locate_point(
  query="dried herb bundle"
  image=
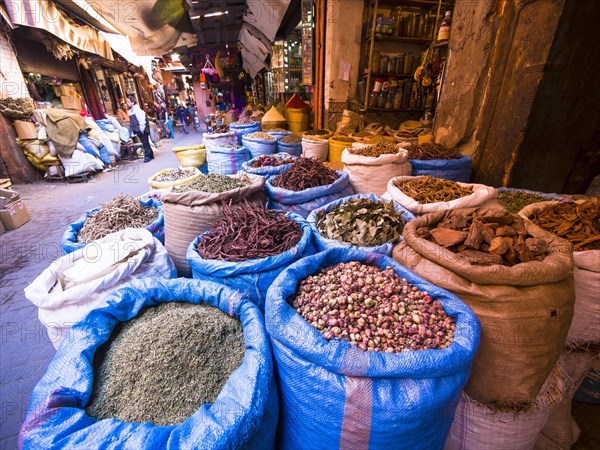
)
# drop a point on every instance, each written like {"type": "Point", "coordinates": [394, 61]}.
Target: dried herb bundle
{"type": "Point", "coordinates": [381, 148]}
{"type": "Point", "coordinates": [260, 135]}
{"type": "Point", "coordinates": [432, 151]}
{"type": "Point", "coordinates": [495, 238]}
{"type": "Point", "coordinates": [161, 366]}
{"type": "Point", "coordinates": [221, 128]}
{"type": "Point", "coordinates": [515, 201]}
{"type": "Point", "coordinates": [579, 223]}
{"type": "Point", "coordinates": [249, 231]}
{"type": "Point", "coordinates": [212, 183]}
{"type": "Point", "coordinates": [271, 161]}
{"type": "Point", "coordinates": [174, 175]}
{"type": "Point", "coordinates": [433, 190]}
{"type": "Point", "coordinates": [121, 212]}
{"type": "Point", "coordinates": [305, 173]}
{"type": "Point", "coordinates": [362, 222]}
{"type": "Point", "coordinates": [291, 139]}
{"type": "Point", "coordinates": [17, 108]}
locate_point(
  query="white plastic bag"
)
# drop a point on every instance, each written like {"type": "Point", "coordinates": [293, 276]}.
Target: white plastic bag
{"type": "Point", "coordinates": [80, 162]}
{"type": "Point", "coordinates": [76, 283]}
{"type": "Point", "coordinates": [481, 194]}
{"type": "Point", "coordinates": [370, 175]}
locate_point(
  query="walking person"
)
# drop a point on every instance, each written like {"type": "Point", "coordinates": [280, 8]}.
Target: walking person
{"type": "Point", "coordinates": [181, 115]}
{"type": "Point", "coordinates": [161, 118]}
{"type": "Point", "coordinates": [140, 126]}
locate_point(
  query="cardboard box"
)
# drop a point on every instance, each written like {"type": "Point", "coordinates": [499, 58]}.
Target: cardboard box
{"type": "Point", "coordinates": [25, 130]}
{"type": "Point", "coordinates": [14, 215]}
{"type": "Point", "coordinates": [65, 89]}
{"type": "Point", "coordinates": [7, 196]}
{"type": "Point", "coordinates": [71, 102]}
{"type": "Point", "coordinates": [2, 229]}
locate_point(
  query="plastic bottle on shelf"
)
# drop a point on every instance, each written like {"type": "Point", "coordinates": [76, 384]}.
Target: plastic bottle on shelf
{"type": "Point", "coordinates": [389, 101]}
{"type": "Point", "coordinates": [378, 85]}
{"type": "Point", "coordinates": [397, 104]}
{"type": "Point", "coordinates": [444, 32]}
{"type": "Point", "coordinates": [373, 99]}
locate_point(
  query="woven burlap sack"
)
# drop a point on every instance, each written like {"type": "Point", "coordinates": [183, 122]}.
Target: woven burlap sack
{"type": "Point", "coordinates": [190, 214]}
{"type": "Point", "coordinates": [585, 328]}
{"type": "Point", "coordinates": [525, 310]}
{"type": "Point", "coordinates": [560, 430]}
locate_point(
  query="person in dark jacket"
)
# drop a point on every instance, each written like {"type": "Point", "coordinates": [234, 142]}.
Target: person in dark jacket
{"type": "Point", "coordinates": [139, 126]}
{"type": "Point", "coordinates": [161, 118]}
{"type": "Point", "coordinates": [181, 116]}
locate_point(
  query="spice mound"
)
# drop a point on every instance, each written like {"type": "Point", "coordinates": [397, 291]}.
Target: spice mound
{"type": "Point", "coordinates": [431, 151]}
{"type": "Point", "coordinates": [260, 135]}
{"type": "Point", "coordinates": [373, 309]}
{"type": "Point", "coordinates": [174, 175]}
{"type": "Point", "coordinates": [317, 132]}
{"type": "Point", "coordinates": [121, 212]}
{"type": "Point", "coordinates": [305, 173]}
{"type": "Point", "coordinates": [381, 148]}
{"type": "Point", "coordinates": [213, 182]}
{"type": "Point", "coordinates": [291, 139]}
{"type": "Point", "coordinates": [161, 366]}
{"type": "Point", "coordinates": [271, 161]}
{"type": "Point", "coordinates": [361, 222]}
{"type": "Point", "coordinates": [249, 231]}
{"type": "Point", "coordinates": [579, 223]}
{"type": "Point", "coordinates": [494, 238]}
{"type": "Point", "coordinates": [433, 190]}
{"type": "Point", "coordinates": [515, 201]}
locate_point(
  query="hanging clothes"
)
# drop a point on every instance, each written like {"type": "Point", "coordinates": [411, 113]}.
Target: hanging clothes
{"type": "Point", "coordinates": [93, 102]}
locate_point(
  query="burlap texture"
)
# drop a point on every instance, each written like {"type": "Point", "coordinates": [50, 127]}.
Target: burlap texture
{"type": "Point", "coordinates": [190, 214]}
{"type": "Point", "coordinates": [525, 310]}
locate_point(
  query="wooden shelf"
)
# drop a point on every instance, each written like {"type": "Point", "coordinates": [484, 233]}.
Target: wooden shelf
{"type": "Point", "coordinates": [440, 44]}
{"type": "Point", "coordinates": [393, 110]}
{"type": "Point", "coordinates": [411, 3]}
{"type": "Point", "coordinates": [395, 75]}
{"type": "Point", "coordinates": [401, 39]}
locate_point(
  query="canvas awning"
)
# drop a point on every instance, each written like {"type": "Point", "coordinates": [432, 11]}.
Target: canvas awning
{"type": "Point", "coordinates": [43, 14]}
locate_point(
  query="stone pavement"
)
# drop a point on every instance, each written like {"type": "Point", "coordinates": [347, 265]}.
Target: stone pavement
{"type": "Point", "coordinates": [25, 348]}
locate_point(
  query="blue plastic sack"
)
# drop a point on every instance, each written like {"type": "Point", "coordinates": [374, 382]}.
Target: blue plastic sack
{"type": "Point", "coordinates": [304, 202]}
{"type": "Point", "coordinates": [267, 170]}
{"type": "Point", "coordinates": [226, 160]}
{"type": "Point", "coordinates": [334, 395]}
{"type": "Point", "coordinates": [448, 169]}
{"type": "Point", "coordinates": [279, 134]}
{"type": "Point", "coordinates": [589, 391]}
{"type": "Point", "coordinates": [244, 415]}
{"type": "Point", "coordinates": [293, 148]}
{"type": "Point", "coordinates": [323, 243]}
{"type": "Point", "coordinates": [69, 238]}
{"type": "Point", "coordinates": [258, 147]}
{"type": "Point", "coordinates": [241, 130]}
{"type": "Point", "coordinates": [254, 276]}
{"type": "Point", "coordinates": [105, 125]}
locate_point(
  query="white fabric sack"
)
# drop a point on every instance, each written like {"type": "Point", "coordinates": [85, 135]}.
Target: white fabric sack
{"type": "Point", "coordinates": [218, 140]}
{"type": "Point", "coordinates": [80, 162]}
{"type": "Point", "coordinates": [561, 431]}
{"type": "Point", "coordinates": [370, 175]}
{"type": "Point", "coordinates": [77, 283]}
{"type": "Point", "coordinates": [99, 134]}
{"type": "Point", "coordinates": [52, 148]}
{"type": "Point", "coordinates": [477, 427]}
{"type": "Point", "coordinates": [317, 149]}
{"type": "Point", "coordinates": [481, 194]}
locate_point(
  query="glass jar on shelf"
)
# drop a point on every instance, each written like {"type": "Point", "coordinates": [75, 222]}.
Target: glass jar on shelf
{"type": "Point", "coordinates": [397, 18]}
{"type": "Point", "coordinates": [383, 64]}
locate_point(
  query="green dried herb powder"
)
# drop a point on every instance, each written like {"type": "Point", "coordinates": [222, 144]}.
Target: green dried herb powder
{"type": "Point", "coordinates": [361, 222]}
{"type": "Point", "coordinates": [161, 366]}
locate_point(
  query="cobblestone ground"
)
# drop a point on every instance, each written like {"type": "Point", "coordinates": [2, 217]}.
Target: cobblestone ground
{"type": "Point", "coordinates": [26, 349]}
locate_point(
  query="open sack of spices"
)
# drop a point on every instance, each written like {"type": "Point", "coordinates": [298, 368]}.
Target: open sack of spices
{"type": "Point", "coordinates": [437, 160]}
{"type": "Point", "coordinates": [217, 140]}
{"type": "Point", "coordinates": [244, 125]}
{"type": "Point", "coordinates": [191, 155]}
{"type": "Point", "coordinates": [425, 194]}
{"type": "Point", "coordinates": [520, 287]}
{"type": "Point", "coordinates": [226, 159]}
{"type": "Point", "coordinates": [123, 211]}
{"type": "Point", "coordinates": [259, 143]}
{"type": "Point", "coordinates": [266, 165]}
{"type": "Point", "coordinates": [514, 200]}
{"type": "Point", "coordinates": [249, 247]}
{"type": "Point", "coordinates": [360, 221]}
{"type": "Point", "coordinates": [368, 354]}
{"type": "Point", "coordinates": [77, 283]}
{"type": "Point", "coordinates": [370, 167]}
{"type": "Point", "coordinates": [579, 223]}
{"type": "Point", "coordinates": [291, 144]}
{"type": "Point", "coordinates": [305, 186]}
{"type": "Point", "coordinates": [194, 208]}
{"type": "Point", "coordinates": [167, 178]}
{"type": "Point", "coordinates": [166, 364]}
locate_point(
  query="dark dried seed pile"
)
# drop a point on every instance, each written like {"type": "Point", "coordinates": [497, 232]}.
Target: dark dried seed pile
{"type": "Point", "coordinates": [164, 364]}
{"type": "Point", "coordinates": [121, 212]}
{"type": "Point", "coordinates": [305, 173]}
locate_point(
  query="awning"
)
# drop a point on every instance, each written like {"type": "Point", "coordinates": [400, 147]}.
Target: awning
{"type": "Point", "coordinates": [122, 45]}
{"type": "Point", "coordinates": [266, 16]}
{"type": "Point", "coordinates": [254, 51]}
{"type": "Point", "coordinates": [45, 15]}
{"type": "Point", "coordinates": [153, 27]}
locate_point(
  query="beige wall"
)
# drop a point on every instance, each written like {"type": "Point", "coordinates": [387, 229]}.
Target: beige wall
{"type": "Point", "coordinates": [12, 83]}
{"type": "Point", "coordinates": [342, 43]}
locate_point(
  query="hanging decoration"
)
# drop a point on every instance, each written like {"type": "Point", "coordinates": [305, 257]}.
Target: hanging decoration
{"type": "Point", "coordinates": [60, 50]}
